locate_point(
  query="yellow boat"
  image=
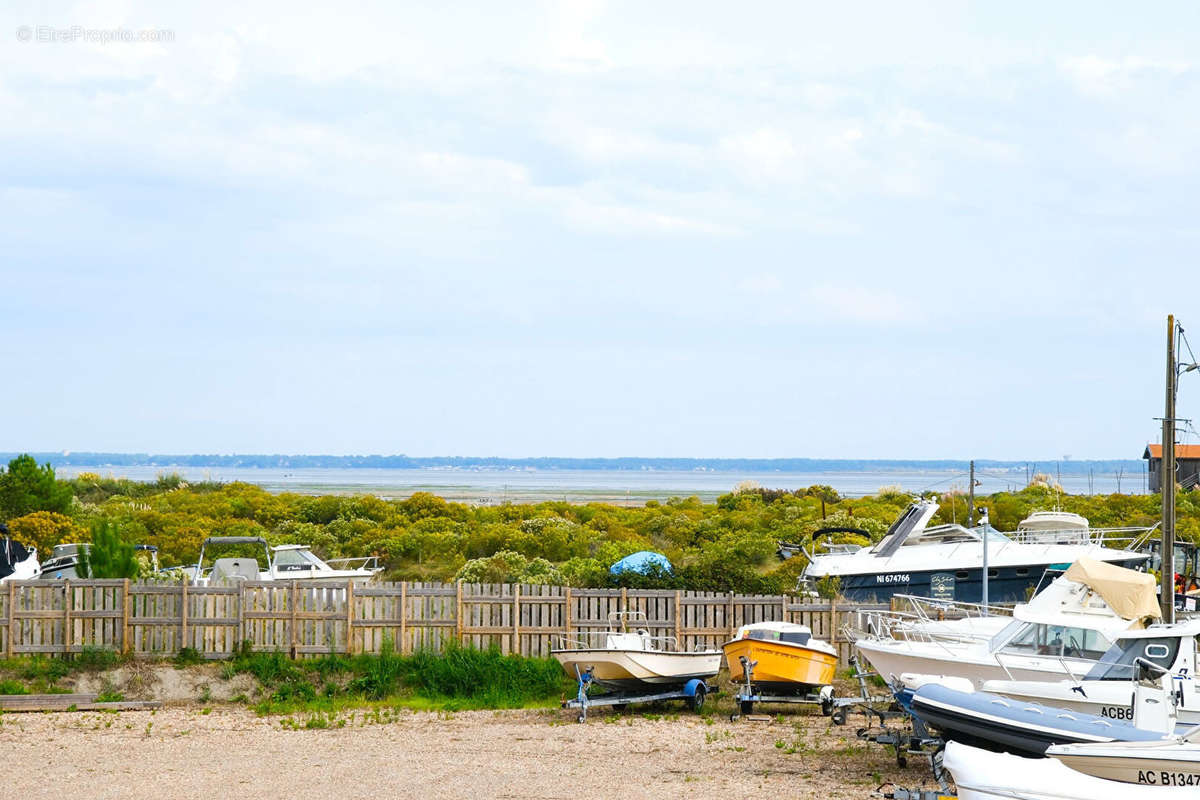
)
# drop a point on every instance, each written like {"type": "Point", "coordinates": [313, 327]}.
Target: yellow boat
{"type": "Point", "coordinates": [786, 657]}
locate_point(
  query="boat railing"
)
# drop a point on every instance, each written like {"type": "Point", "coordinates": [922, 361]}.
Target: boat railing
{"type": "Point", "coordinates": [598, 640]}
{"type": "Point", "coordinates": [931, 609]}
{"type": "Point", "coordinates": [1132, 538]}
{"type": "Point", "coordinates": [922, 619]}
{"type": "Point", "coordinates": [368, 563]}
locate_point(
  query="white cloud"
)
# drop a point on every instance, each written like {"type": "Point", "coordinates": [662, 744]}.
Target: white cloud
{"type": "Point", "coordinates": [1098, 76]}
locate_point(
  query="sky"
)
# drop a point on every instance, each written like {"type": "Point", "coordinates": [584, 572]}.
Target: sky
{"type": "Point", "coordinates": [854, 230]}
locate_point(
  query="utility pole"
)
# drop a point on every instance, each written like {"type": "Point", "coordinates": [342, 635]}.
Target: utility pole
{"type": "Point", "coordinates": [1167, 578]}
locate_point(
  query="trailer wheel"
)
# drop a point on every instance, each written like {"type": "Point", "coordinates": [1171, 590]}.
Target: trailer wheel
{"type": "Point", "coordinates": [696, 701]}
{"type": "Point", "coordinates": [838, 717]}
{"type": "Point", "coordinates": [746, 707]}
{"type": "Point", "coordinates": [827, 706]}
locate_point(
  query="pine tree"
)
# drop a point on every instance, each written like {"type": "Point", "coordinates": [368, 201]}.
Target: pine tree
{"type": "Point", "coordinates": [109, 556]}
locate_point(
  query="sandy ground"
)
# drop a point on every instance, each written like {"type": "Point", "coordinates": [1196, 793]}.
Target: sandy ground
{"type": "Point", "coordinates": [228, 751]}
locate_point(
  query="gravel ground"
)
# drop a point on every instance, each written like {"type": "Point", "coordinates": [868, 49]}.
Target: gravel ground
{"type": "Point", "coordinates": [230, 752]}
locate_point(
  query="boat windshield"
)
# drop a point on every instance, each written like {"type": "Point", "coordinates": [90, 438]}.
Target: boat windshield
{"type": "Point", "coordinates": [293, 560]}
{"type": "Point", "coordinates": [1118, 663]}
{"type": "Point", "coordinates": [1040, 639]}
{"type": "Point", "coordinates": [794, 637]}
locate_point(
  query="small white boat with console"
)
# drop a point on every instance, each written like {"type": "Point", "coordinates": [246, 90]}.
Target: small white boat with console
{"type": "Point", "coordinates": [1061, 632]}
{"type": "Point", "coordinates": [946, 561]}
{"type": "Point", "coordinates": [983, 775]}
{"type": "Point", "coordinates": [285, 562]}
{"type": "Point", "coordinates": [630, 660]}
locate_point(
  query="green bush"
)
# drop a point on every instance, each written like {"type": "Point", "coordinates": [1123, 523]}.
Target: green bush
{"type": "Point", "coordinates": [9, 686]}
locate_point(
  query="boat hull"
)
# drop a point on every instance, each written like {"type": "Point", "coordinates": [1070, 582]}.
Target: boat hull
{"type": "Point", "coordinates": [782, 668]}
{"type": "Point", "coordinates": [980, 775]}
{"type": "Point", "coordinates": [628, 670]}
{"type": "Point", "coordinates": [1149, 765]}
{"type": "Point", "coordinates": [892, 658]}
{"type": "Point", "coordinates": [995, 723]}
{"type": "Point", "coordinates": [1009, 584]}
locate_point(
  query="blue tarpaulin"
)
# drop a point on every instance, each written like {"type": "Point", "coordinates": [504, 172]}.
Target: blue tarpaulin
{"type": "Point", "coordinates": [642, 562]}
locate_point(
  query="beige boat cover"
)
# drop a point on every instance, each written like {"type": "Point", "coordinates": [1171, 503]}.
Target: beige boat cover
{"type": "Point", "coordinates": [1129, 593]}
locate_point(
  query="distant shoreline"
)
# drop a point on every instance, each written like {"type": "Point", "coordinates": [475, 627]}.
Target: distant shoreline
{"type": "Point", "coordinates": [632, 464]}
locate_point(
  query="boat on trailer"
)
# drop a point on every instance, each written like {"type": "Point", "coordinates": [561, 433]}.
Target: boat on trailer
{"type": "Point", "coordinates": [632, 660]}
{"type": "Point", "coordinates": [780, 662]}
{"type": "Point", "coordinates": [1061, 632]}
{"type": "Point", "coordinates": [1104, 690]}
{"type": "Point", "coordinates": [946, 561]}
{"type": "Point", "coordinates": [999, 723]}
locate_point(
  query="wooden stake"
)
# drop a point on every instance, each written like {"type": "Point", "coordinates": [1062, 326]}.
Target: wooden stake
{"type": "Point", "coordinates": [183, 616]}
{"type": "Point", "coordinates": [567, 614]}
{"type": "Point", "coordinates": [403, 617]}
{"type": "Point", "coordinates": [12, 619]}
{"type": "Point", "coordinates": [241, 617]}
{"type": "Point", "coordinates": [516, 642]}
{"type": "Point", "coordinates": [349, 616]}
{"type": "Point", "coordinates": [458, 609]}
{"type": "Point", "coordinates": [833, 621]}
{"type": "Point", "coordinates": [68, 601]}
{"type": "Point", "coordinates": [293, 624]}
{"type": "Point", "coordinates": [126, 646]}
{"type": "Point", "coordinates": [678, 619]}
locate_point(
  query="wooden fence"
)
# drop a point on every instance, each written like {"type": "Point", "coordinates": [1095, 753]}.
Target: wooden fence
{"type": "Point", "coordinates": [307, 618]}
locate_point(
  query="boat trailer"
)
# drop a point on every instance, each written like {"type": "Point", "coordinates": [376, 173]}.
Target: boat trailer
{"type": "Point", "coordinates": [693, 693]}
{"type": "Point", "coordinates": [834, 707]}
{"type": "Point", "coordinates": [916, 740]}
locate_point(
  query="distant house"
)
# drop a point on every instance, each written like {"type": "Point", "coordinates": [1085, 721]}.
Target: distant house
{"type": "Point", "coordinates": [1187, 465]}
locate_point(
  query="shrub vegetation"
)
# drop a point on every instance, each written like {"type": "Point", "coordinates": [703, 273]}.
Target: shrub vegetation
{"type": "Point", "coordinates": [729, 545]}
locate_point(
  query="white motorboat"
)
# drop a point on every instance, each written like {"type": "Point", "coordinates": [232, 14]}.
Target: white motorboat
{"type": "Point", "coordinates": [945, 562]}
{"type": "Point", "coordinates": [984, 775]}
{"type": "Point", "coordinates": [1104, 690]}
{"type": "Point", "coordinates": [63, 563]}
{"type": "Point", "coordinates": [1173, 763]}
{"type": "Point", "coordinates": [285, 562]}
{"type": "Point", "coordinates": [17, 562]}
{"type": "Point", "coordinates": [1061, 632]}
{"type": "Point", "coordinates": [628, 660]}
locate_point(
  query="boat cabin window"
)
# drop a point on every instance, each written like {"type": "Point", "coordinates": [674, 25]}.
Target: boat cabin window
{"type": "Point", "coordinates": [1038, 639]}
{"type": "Point", "coordinates": [794, 637]}
{"type": "Point", "coordinates": [294, 560]}
{"type": "Point", "coordinates": [1117, 664]}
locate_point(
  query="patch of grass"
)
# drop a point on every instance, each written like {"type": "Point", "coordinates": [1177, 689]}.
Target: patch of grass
{"type": "Point", "coordinates": [188, 657]}
{"type": "Point", "coordinates": [473, 678]}
{"type": "Point", "coordinates": [109, 696]}
{"type": "Point", "coordinates": [95, 659]}
{"type": "Point", "coordinates": [12, 687]}
{"type": "Point", "coordinates": [456, 679]}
